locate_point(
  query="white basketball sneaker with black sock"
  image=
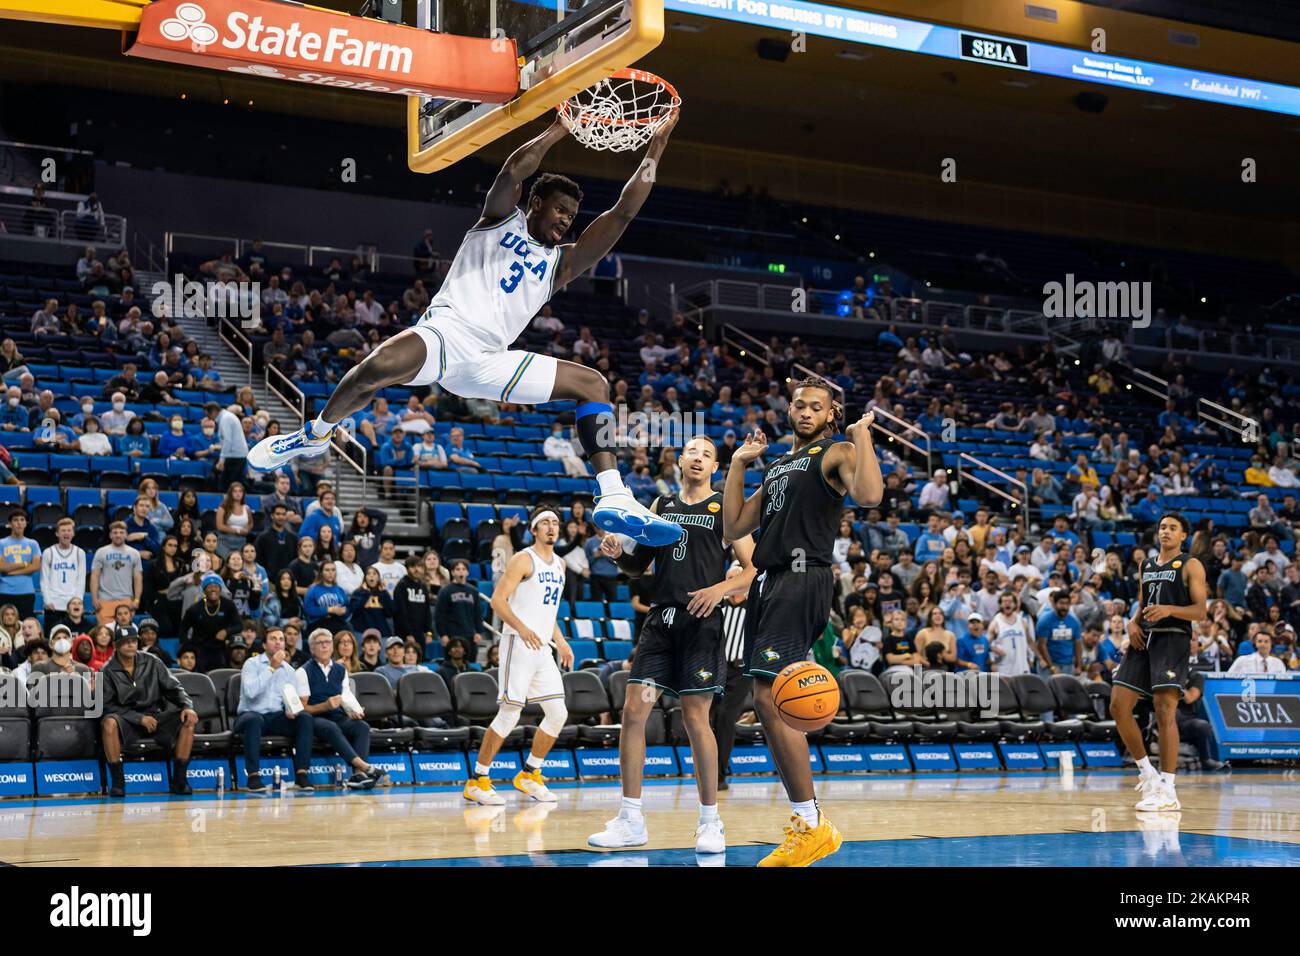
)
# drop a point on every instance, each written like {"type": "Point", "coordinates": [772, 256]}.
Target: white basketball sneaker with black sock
{"type": "Point", "coordinates": [621, 831]}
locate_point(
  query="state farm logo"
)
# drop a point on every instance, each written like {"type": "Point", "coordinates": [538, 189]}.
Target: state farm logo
{"type": "Point", "coordinates": [292, 41]}
{"type": "Point", "coordinates": [190, 23]}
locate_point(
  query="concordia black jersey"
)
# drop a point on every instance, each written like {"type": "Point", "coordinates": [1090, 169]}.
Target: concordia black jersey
{"type": "Point", "coordinates": [800, 511]}
{"type": "Point", "coordinates": [698, 559]}
{"type": "Point", "coordinates": [1164, 584]}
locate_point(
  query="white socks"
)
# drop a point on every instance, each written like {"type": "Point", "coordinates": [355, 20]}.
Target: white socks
{"type": "Point", "coordinates": [631, 808]}
{"type": "Point", "coordinates": [610, 482]}
{"type": "Point", "coordinates": [1167, 779]}
{"type": "Point", "coordinates": [480, 770]}
{"type": "Point", "coordinates": [1145, 768]}
{"type": "Point", "coordinates": [320, 428]}
{"type": "Point", "coordinates": [807, 811]}
{"type": "Point", "coordinates": [708, 814]}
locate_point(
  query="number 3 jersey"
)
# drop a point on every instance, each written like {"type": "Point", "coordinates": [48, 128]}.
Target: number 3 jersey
{"type": "Point", "coordinates": [536, 600]}
{"type": "Point", "coordinates": [698, 559]}
{"type": "Point", "coordinates": [500, 278]}
{"type": "Point", "coordinates": [800, 511]}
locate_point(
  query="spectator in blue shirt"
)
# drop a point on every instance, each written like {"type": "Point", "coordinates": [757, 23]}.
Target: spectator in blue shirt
{"type": "Point", "coordinates": [642, 485]}
{"type": "Point", "coordinates": [973, 648]}
{"type": "Point", "coordinates": [51, 436]}
{"type": "Point", "coordinates": [135, 442]}
{"type": "Point", "coordinates": [1097, 651]}
{"type": "Point", "coordinates": [326, 604]}
{"type": "Point", "coordinates": [1061, 531]}
{"type": "Point", "coordinates": [394, 454]}
{"type": "Point", "coordinates": [1170, 417]}
{"type": "Point", "coordinates": [1149, 509]}
{"type": "Point", "coordinates": [20, 563]}
{"type": "Point", "coordinates": [1060, 637]}
{"type": "Point", "coordinates": [930, 542]}
{"type": "Point", "coordinates": [326, 514]}
{"type": "Point", "coordinates": [461, 458]}
{"type": "Point", "coordinates": [604, 572]}
{"type": "Point", "coordinates": [175, 443]}
{"type": "Point", "coordinates": [376, 423]}
{"type": "Point", "coordinates": [141, 533]}
{"type": "Point", "coordinates": [13, 417]}
{"type": "Point", "coordinates": [1232, 583]}
{"type": "Point", "coordinates": [724, 410]}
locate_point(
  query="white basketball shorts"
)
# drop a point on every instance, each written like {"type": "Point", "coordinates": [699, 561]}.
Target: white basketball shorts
{"type": "Point", "coordinates": [528, 675]}
{"type": "Point", "coordinates": [463, 365]}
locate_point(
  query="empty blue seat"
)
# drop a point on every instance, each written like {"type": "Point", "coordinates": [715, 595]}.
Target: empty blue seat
{"type": "Point", "coordinates": [588, 609]}
{"type": "Point", "coordinates": [616, 650]}
{"type": "Point", "coordinates": [43, 495]}
{"type": "Point", "coordinates": [584, 650]}
{"type": "Point", "coordinates": [621, 610]}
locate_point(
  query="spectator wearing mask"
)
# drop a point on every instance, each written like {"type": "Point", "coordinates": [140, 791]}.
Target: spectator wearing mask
{"type": "Point", "coordinates": [60, 660]}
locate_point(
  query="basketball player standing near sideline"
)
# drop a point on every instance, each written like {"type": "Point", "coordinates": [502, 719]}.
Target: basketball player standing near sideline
{"type": "Point", "coordinates": [798, 509]}
{"type": "Point", "coordinates": [507, 267]}
{"type": "Point", "coordinates": [680, 651]}
{"type": "Point", "coordinates": [1156, 665]}
{"type": "Point", "coordinates": [527, 599]}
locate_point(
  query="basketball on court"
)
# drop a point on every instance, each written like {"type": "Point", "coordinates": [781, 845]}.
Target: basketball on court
{"type": "Point", "coordinates": [807, 696]}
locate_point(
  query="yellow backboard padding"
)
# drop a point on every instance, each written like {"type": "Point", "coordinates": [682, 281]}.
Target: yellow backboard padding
{"type": "Point", "coordinates": [644, 33]}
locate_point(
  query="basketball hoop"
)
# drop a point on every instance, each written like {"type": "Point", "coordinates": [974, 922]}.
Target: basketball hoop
{"type": "Point", "coordinates": [620, 112]}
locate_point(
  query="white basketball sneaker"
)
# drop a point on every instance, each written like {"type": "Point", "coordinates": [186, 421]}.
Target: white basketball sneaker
{"type": "Point", "coordinates": [620, 832]}
{"type": "Point", "coordinates": [1159, 798]}
{"type": "Point", "coordinates": [623, 514]}
{"type": "Point", "coordinates": [270, 453]}
{"type": "Point", "coordinates": [480, 790]}
{"type": "Point", "coordinates": [711, 836]}
{"type": "Point", "coordinates": [532, 783]}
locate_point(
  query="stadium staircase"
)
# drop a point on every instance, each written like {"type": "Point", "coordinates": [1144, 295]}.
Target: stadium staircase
{"type": "Point", "coordinates": [405, 517]}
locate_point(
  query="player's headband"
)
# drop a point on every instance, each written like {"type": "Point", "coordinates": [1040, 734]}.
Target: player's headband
{"type": "Point", "coordinates": [532, 525]}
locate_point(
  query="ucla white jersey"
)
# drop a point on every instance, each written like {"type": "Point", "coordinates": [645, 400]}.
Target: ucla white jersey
{"type": "Point", "coordinates": [1013, 639]}
{"type": "Point", "coordinates": [536, 600]}
{"type": "Point", "coordinates": [501, 277]}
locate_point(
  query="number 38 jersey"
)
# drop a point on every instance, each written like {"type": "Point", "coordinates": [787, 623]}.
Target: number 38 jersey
{"type": "Point", "coordinates": [800, 511]}
{"type": "Point", "coordinates": [698, 559]}
{"type": "Point", "coordinates": [536, 600]}
{"type": "Point", "coordinates": [500, 278]}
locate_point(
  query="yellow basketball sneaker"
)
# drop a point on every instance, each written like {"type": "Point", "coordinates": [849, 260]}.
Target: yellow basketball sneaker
{"type": "Point", "coordinates": [480, 790]}
{"type": "Point", "coordinates": [804, 845]}
{"type": "Point", "coordinates": [533, 783]}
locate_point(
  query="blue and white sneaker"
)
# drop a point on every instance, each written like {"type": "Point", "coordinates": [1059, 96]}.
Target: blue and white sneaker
{"type": "Point", "coordinates": [271, 453]}
{"type": "Point", "coordinates": [622, 514]}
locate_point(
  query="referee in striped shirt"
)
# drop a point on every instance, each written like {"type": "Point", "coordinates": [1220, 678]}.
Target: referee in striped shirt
{"type": "Point", "coordinates": [727, 708]}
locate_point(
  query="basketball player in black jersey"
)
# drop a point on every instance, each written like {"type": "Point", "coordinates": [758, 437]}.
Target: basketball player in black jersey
{"type": "Point", "coordinates": [680, 649]}
{"type": "Point", "coordinates": [798, 510]}
{"type": "Point", "coordinates": [1156, 665]}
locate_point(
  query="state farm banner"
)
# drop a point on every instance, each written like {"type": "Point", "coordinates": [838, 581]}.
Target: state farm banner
{"type": "Point", "coordinates": [307, 45]}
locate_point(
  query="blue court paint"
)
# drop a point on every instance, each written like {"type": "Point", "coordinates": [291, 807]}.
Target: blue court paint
{"type": "Point", "coordinates": [1083, 849]}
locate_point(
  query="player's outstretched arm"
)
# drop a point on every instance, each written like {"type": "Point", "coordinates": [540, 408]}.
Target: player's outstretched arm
{"type": "Point", "coordinates": [858, 468]}
{"type": "Point", "coordinates": [598, 238]}
{"type": "Point", "coordinates": [503, 197]}
{"type": "Point", "coordinates": [740, 517]}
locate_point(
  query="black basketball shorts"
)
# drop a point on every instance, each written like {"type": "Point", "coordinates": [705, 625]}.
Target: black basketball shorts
{"type": "Point", "coordinates": [786, 613]}
{"type": "Point", "coordinates": [1164, 662]}
{"type": "Point", "coordinates": [680, 653]}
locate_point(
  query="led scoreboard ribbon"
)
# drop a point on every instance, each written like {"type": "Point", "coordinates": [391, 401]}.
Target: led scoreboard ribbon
{"type": "Point", "coordinates": [896, 33]}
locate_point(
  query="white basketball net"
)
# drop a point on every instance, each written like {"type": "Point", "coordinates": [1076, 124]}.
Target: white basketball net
{"type": "Point", "coordinates": [619, 113]}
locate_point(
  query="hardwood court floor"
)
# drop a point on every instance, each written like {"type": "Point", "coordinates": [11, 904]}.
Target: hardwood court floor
{"type": "Point", "coordinates": [1247, 818]}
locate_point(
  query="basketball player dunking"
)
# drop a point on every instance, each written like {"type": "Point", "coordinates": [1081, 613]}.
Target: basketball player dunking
{"type": "Point", "coordinates": [680, 650]}
{"type": "Point", "coordinates": [1157, 662]}
{"type": "Point", "coordinates": [507, 268]}
{"type": "Point", "coordinates": [798, 509]}
{"type": "Point", "coordinates": [527, 599]}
